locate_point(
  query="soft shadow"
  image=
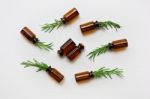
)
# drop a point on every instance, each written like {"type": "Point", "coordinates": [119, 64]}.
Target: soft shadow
{"type": "Point", "coordinates": [56, 81]}
{"type": "Point", "coordinates": [118, 50]}
{"type": "Point", "coordinates": [72, 21]}
{"type": "Point", "coordinates": [89, 32]}
{"type": "Point", "coordinates": [83, 82]}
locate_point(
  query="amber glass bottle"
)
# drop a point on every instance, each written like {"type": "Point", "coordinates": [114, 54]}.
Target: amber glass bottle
{"type": "Point", "coordinates": [70, 15]}
{"type": "Point", "coordinates": [27, 33]}
{"type": "Point", "coordinates": [70, 49]}
{"type": "Point", "coordinates": [118, 44]}
{"type": "Point", "coordinates": [67, 47]}
{"type": "Point", "coordinates": [89, 26]}
{"type": "Point", "coordinates": [97, 24]}
{"type": "Point", "coordinates": [75, 52]}
{"type": "Point", "coordinates": [83, 76]}
{"type": "Point", "coordinates": [102, 72]}
{"type": "Point", "coordinates": [55, 74]}
{"type": "Point", "coordinates": [44, 67]}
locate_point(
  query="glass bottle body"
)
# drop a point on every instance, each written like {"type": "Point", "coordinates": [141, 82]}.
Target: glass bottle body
{"type": "Point", "coordinates": [119, 44]}
{"type": "Point", "coordinates": [70, 15]}
{"type": "Point", "coordinates": [75, 52]}
{"type": "Point", "coordinates": [28, 34]}
{"type": "Point", "coordinates": [54, 73]}
{"type": "Point", "coordinates": [67, 47]}
{"type": "Point", "coordinates": [88, 26]}
{"type": "Point", "coordinates": [83, 76]}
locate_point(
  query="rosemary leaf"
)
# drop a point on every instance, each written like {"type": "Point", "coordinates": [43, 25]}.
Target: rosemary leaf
{"type": "Point", "coordinates": [107, 72]}
{"type": "Point", "coordinates": [35, 63]}
{"type": "Point", "coordinates": [110, 24]}
{"type": "Point", "coordinates": [98, 51]}
{"type": "Point", "coordinates": [43, 45]}
{"type": "Point", "coordinates": [50, 27]}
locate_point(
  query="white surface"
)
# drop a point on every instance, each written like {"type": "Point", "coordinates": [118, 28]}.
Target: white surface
{"type": "Point", "coordinates": [17, 82]}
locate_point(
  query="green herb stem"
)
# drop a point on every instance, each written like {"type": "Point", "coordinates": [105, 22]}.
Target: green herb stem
{"type": "Point", "coordinates": [35, 63]}
{"type": "Point", "coordinates": [48, 27]}
{"type": "Point", "coordinates": [107, 24]}
{"type": "Point", "coordinates": [43, 45]}
{"type": "Point", "coordinates": [107, 72]}
{"type": "Point", "coordinates": [98, 51]}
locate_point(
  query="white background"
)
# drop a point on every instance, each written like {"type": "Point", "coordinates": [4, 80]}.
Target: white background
{"type": "Point", "coordinates": [17, 82]}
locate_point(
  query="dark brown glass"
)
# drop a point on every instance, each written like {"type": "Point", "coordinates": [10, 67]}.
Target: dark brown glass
{"type": "Point", "coordinates": [67, 47]}
{"type": "Point", "coordinates": [119, 44]}
{"type": "Point", "coordinates": [27, 33]}
{"type": "Point", "coordinates": [55, 74]}
{"type": "Point", "coordinates": [75, 52]}
{"type": "Point", "coordinates": [83, 76]}
{"type": "Point", "coordinates": [70, 15]}
{"type": "Point", "coordinates": [88, 26]}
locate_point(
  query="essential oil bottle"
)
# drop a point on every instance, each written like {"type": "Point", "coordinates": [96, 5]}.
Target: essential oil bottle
{"type": "Point", "coordinates": [70, 15]}
{"type": "Point", "coordinates": [27, 33]}
{"type": "Point", "coordinates": [102, 72]}
{"type": "Point", "coordinates": [54, 73]}
{"type": "Point", "coordinates": [75, 52]}
{"type": "Point", "coordinates": [82, 76]}
{"type": "Point", "coordinates": [118, 44]}
{"type": "Point", "coordinates": [89, 26]}
{"type": "Point", "coordinates": [67, 47]}
{"type": "Point", "coordinates": [92, 25]}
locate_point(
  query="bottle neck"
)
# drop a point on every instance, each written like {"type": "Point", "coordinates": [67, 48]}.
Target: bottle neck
{"type": "Point", "coordinates": [96, 23]}
{"type": "Point", "coordinates": [35, 40]}
{"type": "Point", "coordinates": [49, 69]}
{"type": "Point", "coordinates": [91, 74]}
{"type": "Point", "coordinates": [80, 46]}
{"type": "Point", "coordinates": [110, 45]}
{"type": "Point", "coordinates": [63, 20]}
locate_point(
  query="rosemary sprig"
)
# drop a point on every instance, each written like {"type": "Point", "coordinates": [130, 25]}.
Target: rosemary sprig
{"type": "Point", "coordinates": [35, 63]}
{"type": "Point", "coordinates": [107, 72]}
{"type": "Point", "coordinates": [48, 27]}
{"type": "Point", "coordinates": [43, 45]}
{"type": "Point", "coordinates": [98, 51]}
{"type": "Point", "coordinates": [110, 24]}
